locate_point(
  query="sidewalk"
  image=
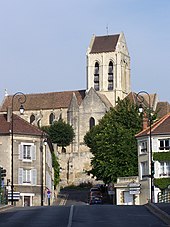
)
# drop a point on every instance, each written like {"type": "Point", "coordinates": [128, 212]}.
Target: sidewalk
{"type": "Point", "coordinates": [161, 210]}
{"type": "Point", "coordinates": [4, 207]}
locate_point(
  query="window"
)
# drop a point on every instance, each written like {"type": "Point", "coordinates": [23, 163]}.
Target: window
{"type": "Point", "coordinates": [110, 76]}
{"type": "Point", "coordinates": [92, 122]}
{"type": "Point", "coordinates": [144, 169]}
{"type": "Point", "coordinates": [32, 118]}
{"type": "Point", "coordinates": [164, 169]}
{"type": "Point", "coordinates": [27, 176]}
{"type": "Point", "coordinates": [51, 118]}
{"type": "Point", "coordinates": [96, 76]}
{"type": "Point", "coordinates": [143, 147]}
{"type": "Point", "coordinates": [164, 144]}
{"type": "Point", "coordinates": [27, 152]}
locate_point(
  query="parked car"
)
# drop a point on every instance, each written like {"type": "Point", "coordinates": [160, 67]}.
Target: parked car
{"type": "Point", "coordinates": [95, 189]}
{"type": "Point", "coordinates": [95, 197]}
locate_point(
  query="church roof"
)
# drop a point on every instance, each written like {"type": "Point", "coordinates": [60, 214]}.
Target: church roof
{"type": "Point", "coordinates": [20, 126]}
{"type": "Point", "coordinates": [52, 100]}
{"type": "Point", "coordinates": [104, 43]}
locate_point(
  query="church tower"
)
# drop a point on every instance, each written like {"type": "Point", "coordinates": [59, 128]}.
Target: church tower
{"type": "Point", "coordinates": [108, 66]}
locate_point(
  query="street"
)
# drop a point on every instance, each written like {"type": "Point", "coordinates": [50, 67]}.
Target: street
{"type": "Point", "coordinates": [72, 210]}
{"type": "Point", "coordinates": [79, 216]}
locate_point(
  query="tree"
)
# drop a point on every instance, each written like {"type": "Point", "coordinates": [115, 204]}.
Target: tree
{"type": "Point", "coordinates": [113, 143]}
{"type": "Point", "coordinates": [60, 133]}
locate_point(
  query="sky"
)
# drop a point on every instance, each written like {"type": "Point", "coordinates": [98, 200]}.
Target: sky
{"type": "Point", "coordinates": [43, 43]}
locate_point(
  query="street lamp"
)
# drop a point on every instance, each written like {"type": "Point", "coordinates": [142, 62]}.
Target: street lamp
{"type": "Point", "coordinates": [43, 142]}
{"type": "Point", "coordinates": [21, 99]}
{"type": "Point", "coordinates": [140, 99]}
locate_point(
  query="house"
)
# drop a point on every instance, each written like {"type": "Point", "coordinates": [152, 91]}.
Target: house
{"type": "Point", "coordinates": [32, 161]}
{"type": "Point", "coordinates": [160, 148]}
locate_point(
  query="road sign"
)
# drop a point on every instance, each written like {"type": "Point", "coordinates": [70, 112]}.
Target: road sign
{"type": "Point", "coordinates": [16, 195]}
{"type": "Point", "coordinates": [134, 188]}
{"type": "Point", "coordinates": [48, 193]}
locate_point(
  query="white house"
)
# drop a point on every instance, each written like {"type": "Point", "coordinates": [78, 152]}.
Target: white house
{"type": "Point", "coordinates": [160, 144]}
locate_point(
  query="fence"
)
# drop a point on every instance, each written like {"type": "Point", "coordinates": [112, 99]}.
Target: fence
{"type": "Point", "coordinates": [164, 197]}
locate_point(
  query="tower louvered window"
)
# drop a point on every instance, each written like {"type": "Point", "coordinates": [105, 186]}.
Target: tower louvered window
{"type": "Point", "coordinates": [110, 76]}
{"type": "Point", "coordinates": [96, 76]}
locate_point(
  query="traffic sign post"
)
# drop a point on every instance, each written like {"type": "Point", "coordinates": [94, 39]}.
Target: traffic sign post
{"type": "Point", "coordinates": [48, 196]}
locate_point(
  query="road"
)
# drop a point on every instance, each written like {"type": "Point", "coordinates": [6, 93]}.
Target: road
{"type": "Point", "coordinates": [76, 213]}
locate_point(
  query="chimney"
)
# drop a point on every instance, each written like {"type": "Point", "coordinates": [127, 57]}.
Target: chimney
{"type": "Point", "coordinates": [145, 121]}
{"type": "Point", "coordinates": [9, 114]}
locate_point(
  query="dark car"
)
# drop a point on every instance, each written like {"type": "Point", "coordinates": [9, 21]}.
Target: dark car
{"type": "Point", "coordinates": [95, 198]}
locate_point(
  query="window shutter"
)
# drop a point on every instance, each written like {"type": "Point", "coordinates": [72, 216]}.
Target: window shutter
{"type": "Point", "coordinates": [20, 151]}
{"type": "Point", "coordinates": [34, 177]}
{"type": "Point", "coordinates": [20, 175]}
{"type": "Point", "coordinates": [33, 152]}
{"type": "Point", "coordinates": [155, 144]}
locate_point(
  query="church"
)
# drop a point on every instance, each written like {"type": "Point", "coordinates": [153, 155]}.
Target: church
{"type": "Point", "coordinates": [108, 78]}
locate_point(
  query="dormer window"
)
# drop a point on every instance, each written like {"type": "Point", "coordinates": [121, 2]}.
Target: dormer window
{"type": "Point", "coordinates": [110, 76]}
{"type": "Point", "coordinates": [96, 76]}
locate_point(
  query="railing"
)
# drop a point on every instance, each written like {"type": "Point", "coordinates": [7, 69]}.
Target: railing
{"type": "Point", "coordinates": [164, 197]}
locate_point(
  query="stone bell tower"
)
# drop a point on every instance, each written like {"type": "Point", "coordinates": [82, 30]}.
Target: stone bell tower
{"type": "Point", "coordinates": [108, 66]}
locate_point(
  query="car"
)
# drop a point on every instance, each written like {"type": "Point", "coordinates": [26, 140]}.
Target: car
{"type": "Point", "coordinates": [95, 200]}
{"type": "Point", "coordinates": [95, 189]}
{"type": "Point", "coordinates": [95, 197]}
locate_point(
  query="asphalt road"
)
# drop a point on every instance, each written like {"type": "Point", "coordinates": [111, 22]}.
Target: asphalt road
{"type": "Point", "coordinates": [72, 210]}
{"type": "Point", "coordinates": [79, 216]}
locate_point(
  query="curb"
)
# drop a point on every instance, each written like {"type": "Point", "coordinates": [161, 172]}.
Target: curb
{"type": "Point", "coordinates": [5, 207]}
{"type": "Point", "coordinates": [159, 213]}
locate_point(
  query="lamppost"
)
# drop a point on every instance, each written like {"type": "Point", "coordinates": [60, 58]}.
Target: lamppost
{"type": "Point", "coordinates": [43, 142]}
{"type": "Point", "coordinates": [140, 99]}
{"type": "Point", "coordinates": [21, 99]}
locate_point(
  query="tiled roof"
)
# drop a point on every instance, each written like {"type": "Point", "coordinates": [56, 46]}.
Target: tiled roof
{"type": "Point", "coordinates": [162, 108]}
{"type": "Point", "coordinates": [52, 100]}
{"type": "Point", "coordinates": [104, 43]}
{"type": "Point", "coordinates": [20, 126]}
{"type": "Point", "coordinates": [160, 127]}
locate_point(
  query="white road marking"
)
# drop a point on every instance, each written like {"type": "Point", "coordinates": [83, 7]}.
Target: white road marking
{"type": "Point", "coordinates": [70, 216]}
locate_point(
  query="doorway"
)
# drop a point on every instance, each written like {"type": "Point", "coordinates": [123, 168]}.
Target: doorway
{"type": "Point", "coordinates": [26, 201]}
{"type": "Point", "coordinates": [128, 198]}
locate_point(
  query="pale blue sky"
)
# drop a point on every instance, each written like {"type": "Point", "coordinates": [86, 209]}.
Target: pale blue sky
{"type": "Point", "coordinates": [43, 43]}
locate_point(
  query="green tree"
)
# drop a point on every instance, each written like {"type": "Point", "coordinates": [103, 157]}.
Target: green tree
{"type": "Point", "coordinates": [60, 133]}
{"type": "Point", "coordinates": [113, 143]}
{"type": "Point", "coordinates": [56, 167]}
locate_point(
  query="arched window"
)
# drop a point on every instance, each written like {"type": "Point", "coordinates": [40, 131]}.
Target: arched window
{"type": "Point", "coordinates": [110, 76]}
{"type": "Point", "coordinates": [96, 76]}
{"type": "Point", "coordinates": [51, 118]}
{"type": "Point", "coordinates": [92, 122]}
{"type": "Point", "coordinates": [32, 118]}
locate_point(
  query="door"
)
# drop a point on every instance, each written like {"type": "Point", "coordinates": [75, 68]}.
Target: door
{"type": "Point", "coordinates": [26, 201]}
{"type": "Point", "coordinates": [128, 198]}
